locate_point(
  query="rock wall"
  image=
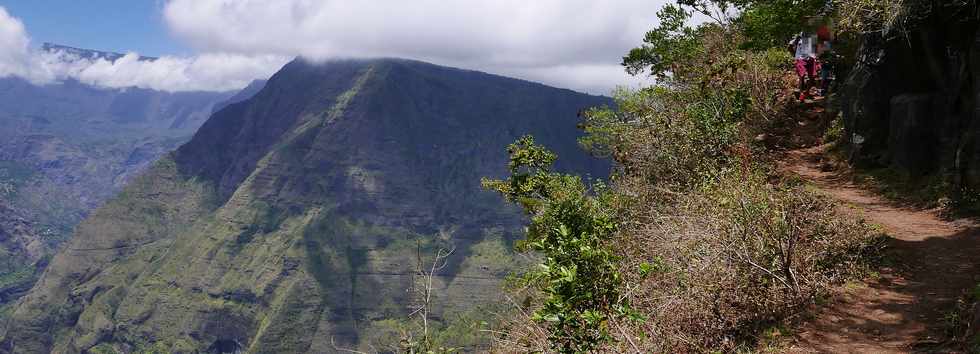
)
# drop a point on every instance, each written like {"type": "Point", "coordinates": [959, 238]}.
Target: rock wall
{"type": "Point", "coordinates": [910, 102]}
{"type": "Point", "coordinates": [973, 336]}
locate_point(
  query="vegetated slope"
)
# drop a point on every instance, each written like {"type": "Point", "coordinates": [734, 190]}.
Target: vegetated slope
{"type": "Point", "coordinates": [67, 147]}
{"type": "Point", "coordinates": [294, 221]}
{"type": "Point", "coordinates": [20, 246]}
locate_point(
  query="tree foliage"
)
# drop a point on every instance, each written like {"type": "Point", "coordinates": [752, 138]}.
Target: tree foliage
{"type": "Point", "coordinates": [665, 46]}
{"type": "Point", "coordinates": [772, 23]}
{"type": "Point", "coordinates": [571, 226]}
{"type": "Point", "coordinates": [668, 49]}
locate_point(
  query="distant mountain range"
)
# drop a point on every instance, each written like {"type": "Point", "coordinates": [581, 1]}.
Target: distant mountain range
{"type": "Point", "coordinates": [67, 147]}
{"type": "Point", "coordinates": [296, 220]}
{"type": "Point", "coordinates": [87, 53]}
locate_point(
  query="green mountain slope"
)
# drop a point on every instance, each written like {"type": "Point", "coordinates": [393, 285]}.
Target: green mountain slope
{"type": "Point", "coordinates": [295, 221]}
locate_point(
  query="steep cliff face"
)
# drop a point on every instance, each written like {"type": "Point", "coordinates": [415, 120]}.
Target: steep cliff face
{"type": "Point", "coordinates": [911, 101]}
{"type": "Point", "coordinates": [295, 221]}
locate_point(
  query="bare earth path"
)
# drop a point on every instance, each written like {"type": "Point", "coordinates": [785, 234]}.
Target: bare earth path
{"type": "Point", "coordinates": [903, 310]}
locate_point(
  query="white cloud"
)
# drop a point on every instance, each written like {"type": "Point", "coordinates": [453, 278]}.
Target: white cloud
{"type": "Point", "coordinates": [205, 72]}
{"type": "Point", "coordinates": [567, 43]}
{"type": "Point", "coordinates": [596, 79]}
{"type": "Point", "coordinates": [15, 54]}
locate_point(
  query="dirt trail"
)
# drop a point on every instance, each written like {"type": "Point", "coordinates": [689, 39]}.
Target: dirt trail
{"type": "Point", "coordinates": [903, 310]}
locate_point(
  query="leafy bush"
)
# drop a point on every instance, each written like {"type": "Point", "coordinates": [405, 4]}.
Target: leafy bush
{"type": "Point", "coordinates": [864, 16]}
{"type": "Point", "coordinates": [769, 24]}
{"type": "Point", "coordinates": [671, 42]}
{"type": "Point", "coordinates": [571, 227]}
{"type": "Point", "coordinates": [678, 151]}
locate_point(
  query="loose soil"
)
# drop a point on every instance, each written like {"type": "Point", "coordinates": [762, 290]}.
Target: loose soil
{"type": "Point", "coordinates": [903, 309]}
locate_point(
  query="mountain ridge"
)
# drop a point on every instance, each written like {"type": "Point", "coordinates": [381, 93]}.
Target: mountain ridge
{"type": "Point", "coordinates": [89, 54]}
{"type": "Point", "coordinates": [295, 219]}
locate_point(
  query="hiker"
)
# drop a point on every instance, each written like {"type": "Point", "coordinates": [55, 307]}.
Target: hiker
{"type": "Point", "coordinates": [805, 59]}
{"type": "Point", "coordinates": [827, 60]}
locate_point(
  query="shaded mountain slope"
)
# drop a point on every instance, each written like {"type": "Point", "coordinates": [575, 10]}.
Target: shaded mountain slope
{"type": "Point", "coordinates": [253, 88]}
{"type": "Point", "coordinates": [295, 220]}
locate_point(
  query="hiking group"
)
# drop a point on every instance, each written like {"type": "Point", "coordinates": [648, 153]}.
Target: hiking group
{"type": "Point", "coordinates": [812, 57]}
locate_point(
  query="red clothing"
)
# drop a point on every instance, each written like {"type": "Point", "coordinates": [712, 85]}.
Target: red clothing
{"type": "Point", "coordinates": [807, 67]}
{"type": "Point", "coordinates": [823, 33]}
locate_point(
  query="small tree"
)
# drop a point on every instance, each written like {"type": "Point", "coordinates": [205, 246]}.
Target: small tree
{"type": "Point", "coordinates": [571, 226]}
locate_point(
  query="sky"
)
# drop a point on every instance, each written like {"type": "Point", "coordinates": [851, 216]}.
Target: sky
{"type": "Point", "coordinates": [110, 25]}
{"type": "Point", "coordinates": [216, 45]}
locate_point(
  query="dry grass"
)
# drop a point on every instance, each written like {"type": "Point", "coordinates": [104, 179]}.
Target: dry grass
{"type": "Point", "coordinates": [738, 257]}
{"type": "Point", "coordinates": [730, 261]}
{"type": "Point", "coordinates": [717, 248]}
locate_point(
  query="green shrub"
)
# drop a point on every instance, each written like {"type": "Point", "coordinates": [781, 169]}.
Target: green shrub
{"type": "Point", "coordinates": [772, 23]}
{"type": "Point", "coordinates": [835, 132]}
{"type": "Point", "coordinates": [571, 227]}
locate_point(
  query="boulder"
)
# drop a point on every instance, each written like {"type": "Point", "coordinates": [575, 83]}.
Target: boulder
{"type": "Point", "coordinates": [974, 332]}
{"type": "Point", "coordinates": [912, 95]}
{"type": "Point", "coordinates": [912, 134]}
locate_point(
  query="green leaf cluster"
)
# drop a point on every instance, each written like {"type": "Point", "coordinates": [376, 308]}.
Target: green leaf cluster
{"type": "Point", "coordinates": [665, 46]}
{"type": "Point", "coordinates": [772, 23]}
{"type": "Point", "coordinates": [669, 49]}
{"type": "Point", "coordinates": [571, 226]}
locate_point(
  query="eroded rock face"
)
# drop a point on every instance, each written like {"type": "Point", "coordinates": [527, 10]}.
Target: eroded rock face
{"type": "Point", "coordinates": [912, 96]}
{"type": "Point", "coordinates": [22, 249]}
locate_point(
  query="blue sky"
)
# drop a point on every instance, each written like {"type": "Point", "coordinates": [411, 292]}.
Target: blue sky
{"type": "Point", "coordinates": [113, 25]}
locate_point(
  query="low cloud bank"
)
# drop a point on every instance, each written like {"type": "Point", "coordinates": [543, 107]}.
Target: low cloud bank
{"type": "Point", "coordinates": [576, 44]}
{"type": "Point", "coordinates": [205, 72]}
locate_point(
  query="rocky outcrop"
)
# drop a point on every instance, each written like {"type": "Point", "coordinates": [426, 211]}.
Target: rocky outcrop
{"type": "Point", "coordinates": [911, 102]}
{"type": "Point", "coordinates": [23, 252]}
{"type": "Point", "coordinates": [974, 331]}
{"type": "Point", "coordinates": [18, 236]}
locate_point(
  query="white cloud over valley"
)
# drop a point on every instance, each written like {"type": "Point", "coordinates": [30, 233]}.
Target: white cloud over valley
{"type": "Point", "coordinates": [566, 43]}
{"type": "Point", "coordinates": [204, 72]}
